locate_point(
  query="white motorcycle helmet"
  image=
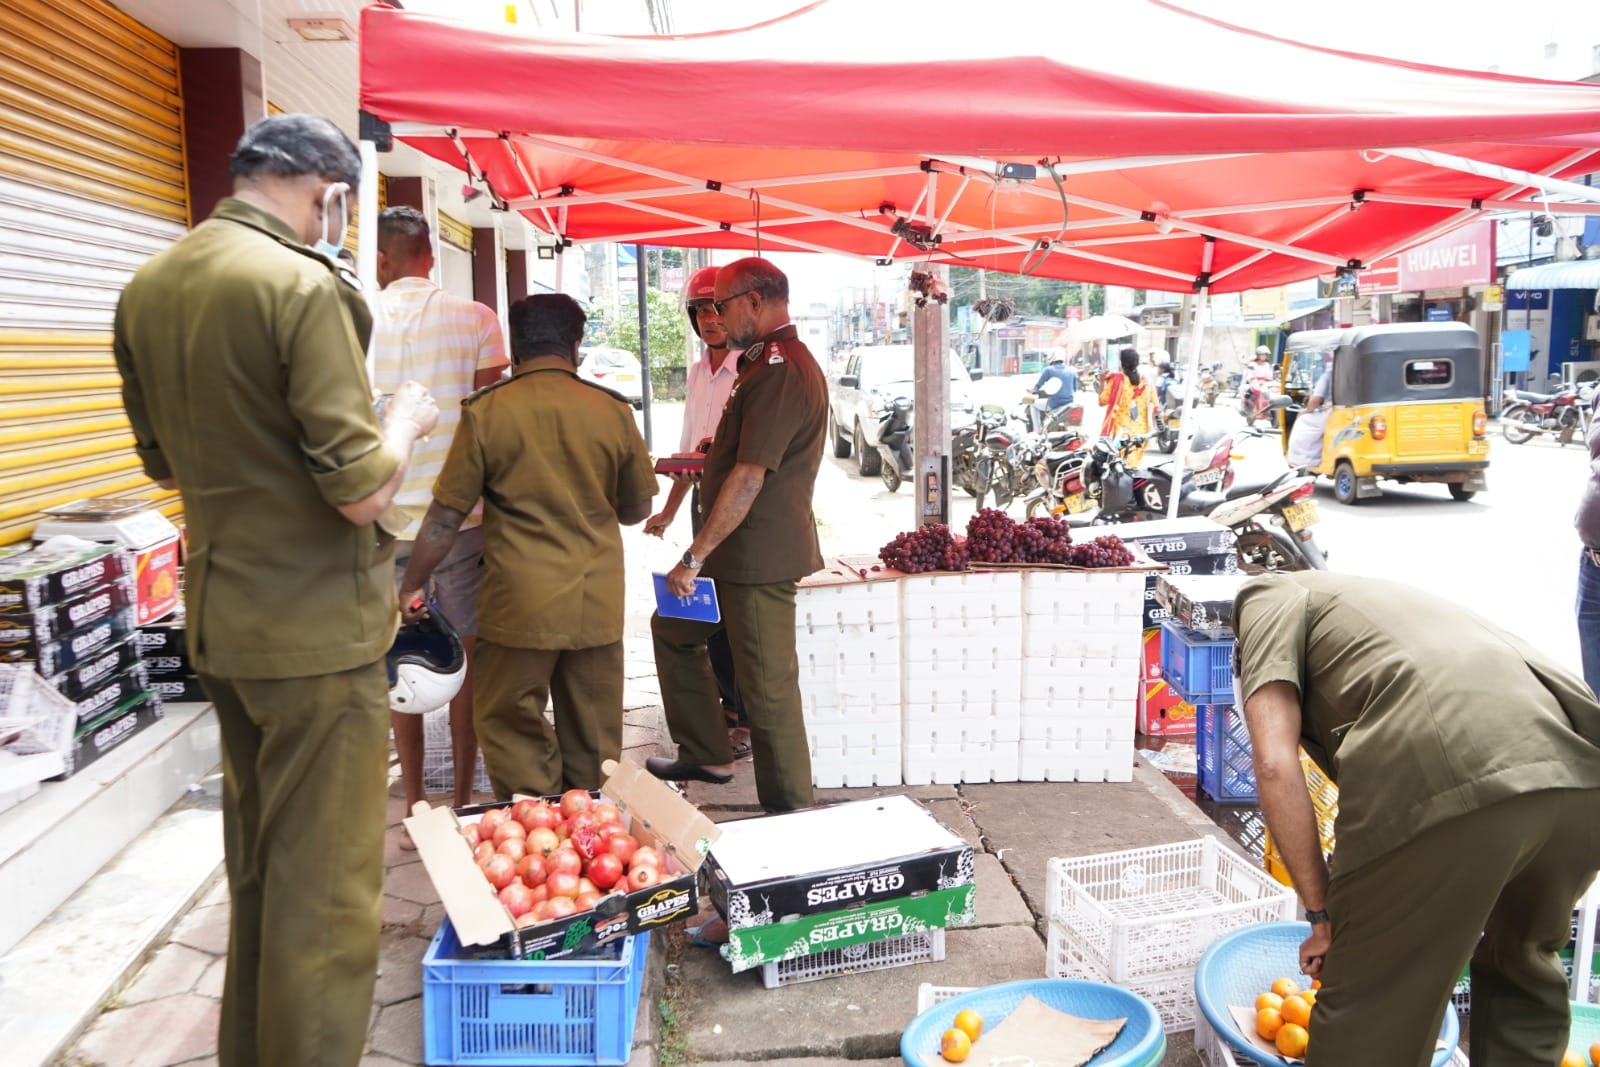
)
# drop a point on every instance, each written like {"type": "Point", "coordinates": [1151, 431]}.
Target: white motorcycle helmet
{"type": "Point", "coordinates": [427, 665]}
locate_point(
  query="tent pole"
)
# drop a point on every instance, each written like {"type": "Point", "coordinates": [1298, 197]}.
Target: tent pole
{"type": "Point", "coordinates": [367, 235]}
{"type": "Point", "coordinates": [930, 421]}
{"type": "Point", "coordinates": [643, 290]}
{"type": "Point", "coordinates": [1191, 377]}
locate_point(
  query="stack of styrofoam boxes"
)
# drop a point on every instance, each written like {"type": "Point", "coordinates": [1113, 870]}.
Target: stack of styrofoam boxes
{"type": "Point", "coordinates": [1080, 672]}
{"type": "Point", "coordinates": [848, 642]}
{"type": "Point", "coordinates": [961, 658]}
{"type": "Point", "coordinates": [1187, 546]}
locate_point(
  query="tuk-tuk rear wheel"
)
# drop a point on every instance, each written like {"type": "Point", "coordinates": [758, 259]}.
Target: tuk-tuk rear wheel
{"type": "Point", "coordinates": [1344, 484]}
{"type": "Point", "coordinates": [1459, 491]}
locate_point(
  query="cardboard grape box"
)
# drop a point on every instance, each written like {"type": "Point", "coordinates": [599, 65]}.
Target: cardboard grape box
{"type": "Point", "coordinates": [1200, 603]}
{"type": "Point", "coordinates": [22, 632]}
{"type": "Point", "coordinates": [652, 812]}
{"type": "Point", "coordinates": [823, 859]}
{"type": "Point", "coordinates": [111, 693]}
{"type": "Point", "coordinates": [77, 682]}
{"type": "Point", "coordinates": [58, 570]}
{"type": "Point", "coordinates": [136, 714]}
{"type": "Point", "coordinates": [178, 688]}
{"type": "Point", "coordinates": [79, 646]}
{"type": "Point", "coordinates": [165, 646]}
{"type": "Point", "coordinates": [756, 946]}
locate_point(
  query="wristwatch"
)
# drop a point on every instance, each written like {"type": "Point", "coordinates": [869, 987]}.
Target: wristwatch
{"type": "Point", "coordinates": [1317, 917]}
{"type": "Point", "coordinates": [689, 561]}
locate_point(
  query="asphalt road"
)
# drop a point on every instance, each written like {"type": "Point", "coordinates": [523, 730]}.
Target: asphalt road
{"type": "Point", "coordinates": [1509, 554]}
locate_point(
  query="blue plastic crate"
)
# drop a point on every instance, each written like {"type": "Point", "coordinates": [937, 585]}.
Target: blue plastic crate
{"type": "Point", "coordinates": [1222, 754]}
{"type": "Point", "coordinates": [566, 1011]}
{"type": "Point", "coordinates": [1199, 667]}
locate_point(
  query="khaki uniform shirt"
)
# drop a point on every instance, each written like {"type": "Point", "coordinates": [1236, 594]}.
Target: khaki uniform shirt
{"type": "Point", "coordinates": [1418, 709]}
{"type": "Point", "coordinates": [244, 379]}
{"type": "Point", "coordinates": [552, 457]}
{"type": "Point", "coordinates": [776, 416]}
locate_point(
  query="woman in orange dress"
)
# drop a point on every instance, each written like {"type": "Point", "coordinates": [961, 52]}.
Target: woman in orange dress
{"type": "Point", "coordinates": [1126, 398]}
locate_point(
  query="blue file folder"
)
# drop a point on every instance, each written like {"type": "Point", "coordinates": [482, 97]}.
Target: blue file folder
{"type": "Point", "coordinates": [701, 605]}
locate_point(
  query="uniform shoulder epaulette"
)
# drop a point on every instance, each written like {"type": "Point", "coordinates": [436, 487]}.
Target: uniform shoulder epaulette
{"type": "Point", "coordinates": [491, 387]}
{"type": "Point", "coordinates": [612, 393]}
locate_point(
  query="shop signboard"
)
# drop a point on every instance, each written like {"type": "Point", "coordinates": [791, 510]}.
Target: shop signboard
{"type": "Point", "coordinates": [1461, 258]}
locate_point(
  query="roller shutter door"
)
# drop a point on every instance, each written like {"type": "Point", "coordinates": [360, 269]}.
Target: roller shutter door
{"type": "Point", "coordinates": [91, 185]}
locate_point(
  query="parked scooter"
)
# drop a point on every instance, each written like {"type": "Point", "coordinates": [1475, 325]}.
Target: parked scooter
{"type": "Point", "coordinates": [968, 448]}
{"type": "Point", "coordinates": [1566, 413]}
{"type": "Point", "coordinates": [1099, 486]}
{"type": "Point", "coordinates": [896, 463]}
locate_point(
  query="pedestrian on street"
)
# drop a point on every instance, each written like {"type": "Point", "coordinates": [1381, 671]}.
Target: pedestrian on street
{"type": "Point", "coordinates": [710, 380]}
{"type": "Point", "coordinates": [1588, 524]}
{"type": "Point", "coordinates": [759, 539]}
{"type": "Point", "coordinates": [1126, 398]}
{"type": "Point", "coordinates": [241, 353]}
{"type": "Point", "coordinates": [1468, 767]}
{"type": "Point", "coordinates": [453, 346]}
{"type": "Point", "coordinates": [560, 467]}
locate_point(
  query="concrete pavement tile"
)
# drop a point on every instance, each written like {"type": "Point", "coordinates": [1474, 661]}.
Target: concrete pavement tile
{"type": "Point", "coordinates": [396, 808]}
{"type": "Point", "coordinates": [393, 854]}
{"type": "Point", "coordinates": [205, 929]}
{"type": "Point", "coordinates": [411, 883]}
{"type": "Point", "coordinates": [397, 912]}
{"type": "Point", "coordinates": [380, 1061]}
{"type": "Point", "coordinates": [217, 894]}
{"type": "Point", "coordinates": [953, 813]}
{"type": "Point", "coordinates": [999, 903]}
{"type": "Point", "coordinates": [159, 1033]}
{"type": "Point", "coordinates": [210, 983]}
{"type": "Point", "coordinates": [174, 969]}
{"type": "Point", "coordinates": [1181, 1052]}
{"type": "Point", "coordinates": [642, 1056]}
{"type": "Point", "coordinates": [398, 1032]}
{"type": "Point", "coordinates": [813, 1062]}
{"type": "Point", "coordinates": [922, 793]}
{"type": "Point", "coordinates": [399, 969]}
{"type": "Point", "coordinates": [853, 1016]}
{"type": "Point", "coordinates": [432, 916]}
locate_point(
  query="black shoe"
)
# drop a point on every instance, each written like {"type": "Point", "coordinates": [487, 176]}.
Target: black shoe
{"type": "Point", "coordinates": [672, 770]}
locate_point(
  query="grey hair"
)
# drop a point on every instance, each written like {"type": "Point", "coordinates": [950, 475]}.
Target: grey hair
{"type": "Point", "coordinates": [293, 146]}
{"type": "Point", "coordinates": [403, 231]}
{"type": "Point", "coordinates": [757, 275]}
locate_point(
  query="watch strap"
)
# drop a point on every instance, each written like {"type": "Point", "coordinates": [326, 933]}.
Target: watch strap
{"type": "Point", "coordinates": [1317, 917]}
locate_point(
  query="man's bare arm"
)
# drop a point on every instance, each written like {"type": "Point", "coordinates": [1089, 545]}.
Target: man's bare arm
{"type": "Point", "coordinates": [733, 504]}
{"type": "Point", "coordinates": [434, 540]}
{"type": "Point", "coordinates": [1272, 713]}
{"type": "Point", "coordinates": [412, 414]}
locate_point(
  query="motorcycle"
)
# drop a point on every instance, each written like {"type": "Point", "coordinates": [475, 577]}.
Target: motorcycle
{"type": "Point", "coordinates": [1566, 413]}
{"type": "Point", "coordinates": [1210, 386]}
{"type": "Point", "coordinates": [967, 447]}
{"type": "Point", "coordinates": [1257, 401]}
{"type": "Point", "coordinates": [1000, 469]}
{"type": "Point", "coordinates": [1100, 487]}
{"type": "Point", "coordinates": [894, 444]}
{"type": "Point", "coordinates": [1164, 417]}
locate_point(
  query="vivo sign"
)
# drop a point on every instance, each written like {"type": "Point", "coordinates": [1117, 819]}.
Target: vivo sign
{"type": "Point", "coordinates": [1461, 258]}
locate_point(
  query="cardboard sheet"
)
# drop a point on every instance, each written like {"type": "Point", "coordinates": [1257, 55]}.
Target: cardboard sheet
{"type": "Point", "coordinates": [1245, 1019]}
{"type": "Point", "coordinates": [1037, 1035]}
{"type": "Point", "coordinates": [855, 834]}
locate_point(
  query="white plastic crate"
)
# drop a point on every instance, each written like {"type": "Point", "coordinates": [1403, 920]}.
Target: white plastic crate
{"type": "Point", "coordinates": [971, 594]}
{"type": "Point", "coordinates": [438, 758]}
{"type": "Point", "coordinates": [929, 994]}
{"type": "Point", "coordinates": [924, 946]}
{"type": "Point", "coordinates": [993, 720]}
{"type": "Point", "coordinates": [837, 767]}
{"type": "Point", "coordinates": [1171, 993]}
{"type": "Point", "coordinates": [1154, 910]}
{"type": "Point", "coordinates": [1120, 642]}
{"type": "Point", "coordinates": [1039, 761]}
{"type": "Point", "coordinates": [1215, 1052]}
{"type": "Point", "coordinates": [950, 763]}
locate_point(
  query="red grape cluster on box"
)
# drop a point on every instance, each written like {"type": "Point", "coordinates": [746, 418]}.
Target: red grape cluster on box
{"type": "Point", "coordinates": [547, 861]}
{"type": "Point", "coordinates": [927, 548]}
{"type": "Point", "coordinates": [1103, 551]}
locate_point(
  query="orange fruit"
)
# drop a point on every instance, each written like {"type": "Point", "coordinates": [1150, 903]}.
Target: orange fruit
{"type": "Point", "coordinates": [1292, 1040]}
{"type": "Point", "coordinates": [1594, 1054]}
{"type": "Point", "coordinates": [1296, 1010]}
{"type": "Point", "coordinates": [1308, 995]}
{"type": "Point", "coordinates": [954, 1045]}
{"type": "Point", "coordinates": [1285, 987]}
{"type": "Point", "coordinates": [1316, 983]}
{"type": "Point", "coordinates": [1269, 1000]}
{"type": "Point", "coordinates": [1268, 1023]}
{"type": "Point", "coordinates": [1570, 1058]}
{"type": "Point", "coordinates": [970, 1023]}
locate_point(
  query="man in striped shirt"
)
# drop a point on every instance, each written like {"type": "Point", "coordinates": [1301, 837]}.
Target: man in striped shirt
{"type": "Point", "coordinates": [453, 346]}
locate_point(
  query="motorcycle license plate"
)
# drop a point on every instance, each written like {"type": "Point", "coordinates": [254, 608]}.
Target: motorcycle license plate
{"type": "Point", "coordinates": [1074, 503]}
{"type": "Point", "coordinates": [1204, 478]}
{"type": "Point", "coordinates": [1300, 514]}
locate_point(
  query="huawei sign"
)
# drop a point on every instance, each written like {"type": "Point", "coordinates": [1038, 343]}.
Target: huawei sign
{"type": "Point", "coordinates": [1458, 259]}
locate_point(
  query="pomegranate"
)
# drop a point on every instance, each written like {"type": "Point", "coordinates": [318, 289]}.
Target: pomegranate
{"type": "Point", "coordinates": [622, 846]}
{"type": "Point", "coordinates": [606, 814]}
{"type": "Point", "coordinates": [531, 870]}
{"type": "Point", "coordinates": [540, 894]}
{"type": "Point", "coordinates": [515, 847]}
{"type": "Point", "coordinates": [643, 877]}
{"type": "Point", "coordinates": [542, 816]}
{"type": "Point", "coordinates": [500, 870]}
{"type": "Point", "coordinates": [574, 801]}
{"type": "Point", "coordinates": [562, 884]}
{"type": "Point", "coordinates": [645, 857]}
{"type": "Point", "coordinates": [529, 919]}
{"type": "Point", "coordinates": [586, 886]}
{"type": "Point", "coordinates": [585, 901]}
{"type": "Point", "coordinates": [564, 861]}
{"type": "Point", "coordinates": [543, 842]}
{"type": "Point", "coordinates": [517, 898]}
{"type": "Point", "coordinates": [520, 810]}
{"type": "Point", "coordinates": [605, 870]}
{"type": "Point", "coordinates": [506, 831]}
{"type": "Point", "coordinates": [481, 854]}
{"type": "Point", "coordinates": [560, 907]}
{"type": "Point", "coordinates": [470, 832]}
{"type": "Point", "coordinates": [489, 822]}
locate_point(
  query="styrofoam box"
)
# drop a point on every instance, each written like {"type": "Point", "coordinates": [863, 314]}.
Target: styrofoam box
{"type": "Point", "coordinates": [872, 655]}
{"type": "Point", "coordinates": [1069, 596]}
{"type": "Point", "coordinates": [994, 651]}
{"type": "Point", "coordinates": [973, 594]}
{"type": "Point", "coordinates": [1040, 639]}
{"type": "Point", "coordinates": [852, 704]}
{"type": "Point", "coordinates": [869, 606]}
{"type": "Point", "coordinates": [997, 720]}
{"type": "Point", "coordinates": [948, 763]}
{"type": "Point", "coordinates": [852, 736]}
{"type": "Point", "coordinates": [1085, 731]}
{"type": "Point", "coordinates": [1071, 680]}
{"type": "Point", "coordinates": [925, 685]}
{"type": "Point", "coordinates": [1040, 761]}
{"type": "Point", "coordinates": [837, 692]}
{"type": "Point", "coordinates": [952, 733]}
{"type": "Point", "coordinates": [836, 768]}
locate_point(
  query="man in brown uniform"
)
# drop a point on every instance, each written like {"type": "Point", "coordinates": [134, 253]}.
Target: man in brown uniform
{"type": "Point", "coordinates": [558, 463]}
{"type": "Point", "coordinates": [1468, 767]}
{"type": "Point", "coordinates": [759, 538]}
{"type": "Point", "coordinates": [244, 381]}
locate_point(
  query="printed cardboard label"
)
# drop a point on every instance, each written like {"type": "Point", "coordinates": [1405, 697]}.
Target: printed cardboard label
{"type": "Point", "coordinates": [754, 946]}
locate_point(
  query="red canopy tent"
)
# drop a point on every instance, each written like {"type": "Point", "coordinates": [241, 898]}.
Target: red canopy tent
{"type": "Point", "coordinates": [1158, 149]}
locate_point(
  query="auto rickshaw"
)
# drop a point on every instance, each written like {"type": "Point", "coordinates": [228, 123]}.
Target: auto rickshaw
{"type": "Point", "coordinates": [1406, 403]}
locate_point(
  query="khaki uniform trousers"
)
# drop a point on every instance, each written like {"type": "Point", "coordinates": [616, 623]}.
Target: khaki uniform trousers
{"type": "Point", "coordinates": [759, 620]}
{"type": "Point", "coordinates": [304, 801]}
{"type": "Point", "coordinates": [1405, 925]}
{"type": "Point", "coordinates": [522, 752]}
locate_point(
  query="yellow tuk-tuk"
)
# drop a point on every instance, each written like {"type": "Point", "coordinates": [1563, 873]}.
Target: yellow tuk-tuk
{"type": "Point", "coordinates": [1404, 401]}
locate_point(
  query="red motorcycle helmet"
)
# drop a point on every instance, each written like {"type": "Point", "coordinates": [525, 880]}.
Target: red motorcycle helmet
{"type": "Point", "coordinates": [700, 290]}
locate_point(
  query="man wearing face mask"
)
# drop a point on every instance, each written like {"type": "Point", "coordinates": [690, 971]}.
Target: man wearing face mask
{"type": "Point", "coordinates": [244, 380]}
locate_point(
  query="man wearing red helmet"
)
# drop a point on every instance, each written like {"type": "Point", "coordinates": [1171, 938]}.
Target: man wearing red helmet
{"type": "Point", "coordinates": [710, 380]}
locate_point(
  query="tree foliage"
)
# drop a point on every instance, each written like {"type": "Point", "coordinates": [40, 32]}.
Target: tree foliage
{"type": "Point", "coordinates": [669, 329]}
{"type": "Point", "coordinates": [1031, 295]}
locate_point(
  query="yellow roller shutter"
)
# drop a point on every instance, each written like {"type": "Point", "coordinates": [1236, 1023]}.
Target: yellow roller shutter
{"type": "Point", "coordinates": [92, 184]}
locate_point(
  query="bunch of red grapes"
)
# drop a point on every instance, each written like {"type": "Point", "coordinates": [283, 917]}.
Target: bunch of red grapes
{"type": "Point", "coordinates": [1103, 551]}
{"type": "Point", "coordinates": [994, 537]}
{"type": "Point", "coordinates": [991, 537]}
{"type": "Point", "coordinates": [927, 548]}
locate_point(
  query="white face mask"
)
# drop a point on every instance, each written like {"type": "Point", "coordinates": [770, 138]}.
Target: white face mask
{"type": "Point", "coordinates": [333, 239]}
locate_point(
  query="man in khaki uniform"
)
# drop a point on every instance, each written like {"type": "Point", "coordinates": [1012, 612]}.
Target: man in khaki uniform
{"type": "Point", "coordinates": [1468, 767]}
{"type": "Point", "coordinates": [244, 381]}
{"type": "Point", "coordinates": [759, 538]}
{"type": "Point", "coordinates": [558, 463]}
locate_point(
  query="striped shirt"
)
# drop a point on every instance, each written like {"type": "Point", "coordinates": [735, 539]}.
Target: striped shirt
{"type": "Point", "coordinates": [424, 333]}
